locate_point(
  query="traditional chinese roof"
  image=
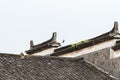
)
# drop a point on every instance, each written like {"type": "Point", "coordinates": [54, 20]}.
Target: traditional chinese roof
{"type": "Point", "coordinates": [113, 34]}
{"type": "Point", "coordinates": [43, 46]}
{"type": "Point", "coordinates": [13, 67]}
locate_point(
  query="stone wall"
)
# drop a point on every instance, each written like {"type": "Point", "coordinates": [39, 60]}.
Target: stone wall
{"type": "Point", "coordinates": [112, 66]}
{"type": "Point", "coordinates": [98, 57]}
{"type": "Point", "coordinates": [102, 59]}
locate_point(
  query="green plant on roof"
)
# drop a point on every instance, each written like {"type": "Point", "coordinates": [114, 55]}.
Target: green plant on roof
{"type": "Point", "coordinates": [80, 43]}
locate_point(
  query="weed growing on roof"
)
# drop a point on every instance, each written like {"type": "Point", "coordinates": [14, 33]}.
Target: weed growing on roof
{"type": "Point", "coordinates": [80, 43]}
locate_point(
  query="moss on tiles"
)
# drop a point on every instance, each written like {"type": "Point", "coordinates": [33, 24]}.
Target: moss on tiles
{"type": "Point", "coordinates": [80, 43]}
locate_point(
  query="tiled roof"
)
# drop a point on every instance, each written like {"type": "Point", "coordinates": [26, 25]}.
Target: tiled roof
{"type": "Point", "coordinates": [90, 42]}
{"type": "Point", "coordinates": [45, 45]}
{"type": "Point", "coordinates": [12, 67]}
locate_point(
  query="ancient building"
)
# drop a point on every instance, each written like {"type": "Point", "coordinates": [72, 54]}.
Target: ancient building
{"type": "Point", "coordinates": [103, 51]}
{"type": "Point", "coordinates": [92, 59]}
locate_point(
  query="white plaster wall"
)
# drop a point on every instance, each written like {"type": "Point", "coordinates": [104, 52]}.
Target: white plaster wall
{"type": "Point", "coordinates": [91, 49]}
{"type": "Point", "coordinates": [116, 54]}
{"type": "Point", "coordinates": [111, 53]}
{"type": "Point", "coordinates": [45, 52]}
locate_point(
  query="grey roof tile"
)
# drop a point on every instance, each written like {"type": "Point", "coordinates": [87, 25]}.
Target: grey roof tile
{"type": "Point", "coordinates": [12, 67]}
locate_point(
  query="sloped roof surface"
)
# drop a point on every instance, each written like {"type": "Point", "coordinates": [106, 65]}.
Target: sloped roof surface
{"type": "Point", "coordinates": [12, 67]}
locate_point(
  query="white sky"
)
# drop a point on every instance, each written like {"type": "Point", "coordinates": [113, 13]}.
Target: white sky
{"type": "Point", "coordinates": [73, 20]}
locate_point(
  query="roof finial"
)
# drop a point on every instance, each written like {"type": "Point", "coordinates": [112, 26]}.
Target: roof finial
{"type": "Point", "coordinates": [54, 36]}
{"type": "Point", "coordinates": [115, 28]}
{"type": "Point", "coordinates": [31, 44]}
{"type": "Point", "coordinates": [22, 55]}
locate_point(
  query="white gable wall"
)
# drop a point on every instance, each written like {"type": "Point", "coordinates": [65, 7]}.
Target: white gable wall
{"type": "Point", "coordinates": [116, 54]}
{"type": "Point", "coordinates": [45, 52]}
{"type": "Point", "coordinates": [91, 49]}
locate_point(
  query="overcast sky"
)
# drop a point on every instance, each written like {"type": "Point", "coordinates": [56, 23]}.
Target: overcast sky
{"type": "Point", "coordinates": [73, 20]}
